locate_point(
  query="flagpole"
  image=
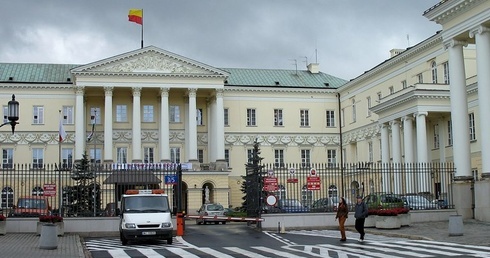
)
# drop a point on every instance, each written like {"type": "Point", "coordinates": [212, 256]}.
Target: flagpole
{"type": "Point", "coordinates": [60, 197]}
{"type": "Point", "coordinates": [142, 28]}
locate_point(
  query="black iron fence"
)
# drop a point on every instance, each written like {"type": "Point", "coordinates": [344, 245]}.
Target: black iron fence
{"type": "Point", "coordinates": [30, 191]}
{"type": "Point", "coordinates": [314, 188]}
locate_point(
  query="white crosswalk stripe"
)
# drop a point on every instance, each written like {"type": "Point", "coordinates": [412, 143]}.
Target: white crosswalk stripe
{"type": "Point", "coordinates": [350, 249]}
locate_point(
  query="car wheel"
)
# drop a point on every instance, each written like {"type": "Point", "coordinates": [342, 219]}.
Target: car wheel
{"type": "Point", "coordinates": [198, 222]}
{"type": "Point", "coordinates": [216, 222]}
{"type": "Point", "coordinates": [169, 241]}
{"type": "Point", "coordinates": [224, 222]}
{"type": "Point", "coordinates": [124, 240]}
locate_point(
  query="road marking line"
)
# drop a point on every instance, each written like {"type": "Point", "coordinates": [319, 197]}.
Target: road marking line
{"type": "Point", "coordinates": [245, 252]}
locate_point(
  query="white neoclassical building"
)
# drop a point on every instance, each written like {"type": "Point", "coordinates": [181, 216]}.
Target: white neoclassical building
{"type": "Point", "coordinates": [423, 104]}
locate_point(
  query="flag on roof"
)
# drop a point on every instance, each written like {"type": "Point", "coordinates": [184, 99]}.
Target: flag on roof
{"type": "Point", "coordinates": [136, 15]}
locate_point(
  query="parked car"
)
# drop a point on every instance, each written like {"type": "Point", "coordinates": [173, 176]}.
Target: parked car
{"type": "Point", "coordinates": [291, 206]}
{"type": "Point", "coordinates": [211, 209]}
{"type": "Point", "coordinates": [31, 206]}
{"type": "Point", "coordinates": [383, 201]}
{"type": "Point", "coordinates": [336, 200]}
{"type": "Point", "coordinates": [417, 202]}
{"type": "Point", "coordinates": [322, 205]}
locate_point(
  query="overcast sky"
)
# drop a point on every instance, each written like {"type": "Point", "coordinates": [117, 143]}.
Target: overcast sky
{"type": "Point", "coordinates": [346, 37]}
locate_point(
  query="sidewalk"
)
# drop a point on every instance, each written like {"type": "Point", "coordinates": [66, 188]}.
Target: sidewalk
{"type": "Point", "coordinates": [474, 232]}
{"type": "Point", "coordinates": [27, 245]}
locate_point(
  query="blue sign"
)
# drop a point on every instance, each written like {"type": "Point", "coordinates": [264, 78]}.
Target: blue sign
{"type": "Point", "coordinates": [171, 180]}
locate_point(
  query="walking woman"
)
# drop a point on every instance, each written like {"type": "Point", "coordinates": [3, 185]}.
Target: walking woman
{"type": "Point", "coordinates": [342, 214]}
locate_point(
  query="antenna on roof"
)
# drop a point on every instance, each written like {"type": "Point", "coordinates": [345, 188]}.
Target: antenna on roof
{"type": "Point", "coordinates": [408, 40]}
{"type": "Point", "coordinates": [316, 55]}
{"type": "Point", "coordinates": [296, 65]}
{"type": "Point", "coordinates": [306, 60]}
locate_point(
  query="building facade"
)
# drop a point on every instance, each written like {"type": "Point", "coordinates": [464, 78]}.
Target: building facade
{"type": "Point", "coordinates": [418, 106]}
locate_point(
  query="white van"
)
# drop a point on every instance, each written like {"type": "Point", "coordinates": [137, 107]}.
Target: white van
{"type": "Point", "coordinates": [145, 214]}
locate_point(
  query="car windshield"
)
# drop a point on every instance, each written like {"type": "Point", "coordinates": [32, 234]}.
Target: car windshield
{"type": "Point", "coordinates": [31, 204]}
{"type": "Point", "coordinates": [215, 207]}
{"type": "Point", "coordinates": [146, 204]}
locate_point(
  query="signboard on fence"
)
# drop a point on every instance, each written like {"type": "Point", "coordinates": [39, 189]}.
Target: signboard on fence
{"type": "Point", "coordinates": [49, 189]}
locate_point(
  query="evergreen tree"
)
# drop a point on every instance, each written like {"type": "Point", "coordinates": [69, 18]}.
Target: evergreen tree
{"type": "Point", "coordinates": [252, 184]}
{"type": "Point", "coordinates": [83, 192]}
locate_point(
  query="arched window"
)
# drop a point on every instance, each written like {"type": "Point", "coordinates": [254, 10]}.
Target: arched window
{"type": "Point", "coordinates": [433, 66]}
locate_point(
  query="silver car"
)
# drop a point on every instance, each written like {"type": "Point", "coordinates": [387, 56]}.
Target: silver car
{"type": "Point", "coordinates": [215, 210]}
{"type": "Point", "coordinates": [417, 202]}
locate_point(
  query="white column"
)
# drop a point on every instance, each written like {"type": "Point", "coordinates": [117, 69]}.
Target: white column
{"type": "Point", "coordinates": [108, 124]}
{"type": "Point", "coordinates": [397, 155]}
{"type": "Point", "coordinates": [136, 125]}
{"type": "Point", "coordinates": [192, 140]}
{"type": "Point", "coordinates": [212, 130]}
{"type": "Point", "coordinates": [482, 39]}
{"type": "Point", "coordinates": [220, 126]}
{"type": "Point", "coordinates": [385, 158]}
{"type": "Point", "coordinates": [396, 141]}
{"type": "Point", "coordinates": [459, 110]}
{"type": "Point", "coordinates": [422, 153]}
{"type": "Point", "coordinates": [80, 133]}
{"type": "Point", "coordinates": [408, 152]}
{"type": "Point", "coordinates": [164, 139]}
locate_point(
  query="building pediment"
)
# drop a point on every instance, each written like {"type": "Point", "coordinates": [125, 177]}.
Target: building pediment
{"type": "Point", "coordinates": [149, 61]}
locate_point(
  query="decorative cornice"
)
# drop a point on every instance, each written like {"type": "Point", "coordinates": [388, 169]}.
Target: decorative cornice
{"type": "Point", "coordinates": [446, 10]}
{"type": "Point", "coordinates": [281, 90]}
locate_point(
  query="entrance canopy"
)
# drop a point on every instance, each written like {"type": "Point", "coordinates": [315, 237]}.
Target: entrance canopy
{"type": "Point", "coordinates": [132, 178]}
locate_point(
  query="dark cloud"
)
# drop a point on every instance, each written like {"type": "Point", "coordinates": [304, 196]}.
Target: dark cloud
{"type": "Point", "coordinates": [346, 37]}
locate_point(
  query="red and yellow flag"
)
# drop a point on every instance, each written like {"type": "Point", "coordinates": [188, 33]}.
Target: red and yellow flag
{"type": "Point", "coordinates": [136, 15]}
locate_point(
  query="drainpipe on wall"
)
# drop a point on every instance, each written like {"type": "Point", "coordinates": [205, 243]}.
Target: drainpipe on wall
{"type": "Point", "coordinates": [340, 146]}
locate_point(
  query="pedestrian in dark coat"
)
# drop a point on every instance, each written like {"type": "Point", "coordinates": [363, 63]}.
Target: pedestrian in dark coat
{"type": "Point", "coordinates": [361, 213]}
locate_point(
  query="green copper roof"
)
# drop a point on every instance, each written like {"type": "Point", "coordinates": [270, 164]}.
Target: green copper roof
{"type": "Point", "coordinates": [281, 78]}
{"type": "Point", "coordinates": [60, 73]}
{"type": "Point", "coordinates": [35, 73]}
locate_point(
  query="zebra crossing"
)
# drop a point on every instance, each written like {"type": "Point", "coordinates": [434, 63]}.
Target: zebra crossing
{"type": "Point", "coordinates": [380, 249]}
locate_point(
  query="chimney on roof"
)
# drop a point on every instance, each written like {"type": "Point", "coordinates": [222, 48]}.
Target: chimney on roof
{"type": "Point", "coordinates": [395, 52]}
{"type": "Point", "coordinates": [314, 68]}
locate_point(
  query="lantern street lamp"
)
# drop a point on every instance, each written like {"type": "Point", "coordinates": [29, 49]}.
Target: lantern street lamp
{"type": "Point", "coordinates": [12, 113]}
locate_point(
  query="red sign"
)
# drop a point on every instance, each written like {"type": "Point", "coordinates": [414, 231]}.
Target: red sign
{"type": "Point", "coordinates": [270, 180]}
{"type": "Point", "coordinates": [270, 184]}
{"type": "Point", "coordinates": [49, 190]}
{"type": "Point", "coordinates": [292, 180]}
{"type": "Point", "coordinates": [270, 188]}
{"type": "Point", "coordinates": [313, 183]}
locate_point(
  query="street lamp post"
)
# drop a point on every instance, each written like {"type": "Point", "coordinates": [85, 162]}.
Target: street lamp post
{"type": "Point", "coordinates": [12, 113]}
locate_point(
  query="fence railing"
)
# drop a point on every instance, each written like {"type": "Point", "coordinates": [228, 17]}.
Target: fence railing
{"type": "Point", "coordinates": [30, 191]}
{"type": "Point", "coordinates": [314, 186]}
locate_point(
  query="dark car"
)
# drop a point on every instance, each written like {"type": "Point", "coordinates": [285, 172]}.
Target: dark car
{"type": "Point", "coordinates": [383, 201]}
{"type": "Point", "coordinates": [291, 206]}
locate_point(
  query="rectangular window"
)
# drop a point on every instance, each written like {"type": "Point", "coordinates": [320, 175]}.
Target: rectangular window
{"type": "Point", "coordinates": [436, 136]}
{"type": "Point", "coordinates": [5, 114]}
{"type": "Point", "coordinates": [370, 152]}
{"type": "Point", "coordinates": [121, 113]}
{"type": "Point", "coordinates": [175, 155]}
{"type": "Point", "coordinates": [37, 157]}
{"type": "Point", "coordinates": [332, 158]}
{"type": "Point", "coordinates": [38, 115]}
{"type": "Point", "coordinates": [434, 71]}
{"type": "Point", "coordinates": [250, 155]}
{"type": "Point", "coordinates": [446, 72]}
{"type": "Point", "coordinates": [278, 117]}
{"type": "Point", "coordinates": [67, 158]}
{"type": "Point", "coordinates": [68, 115]}
{"type": "Point", "coordinates": [472, 127]}
{"type": "Point", "coordinates": [392, 90]}
{"type": "Point", "coordinates": [368, 100]}
{"type": "Point", "coordinates": [200, 155]}
{"type": "Point", "coordinates": [227, 157]}
{"type": "Point", "coordinates": [305, 118]}
{"type": "Point", "coordinates": [342, 117]}
{"type": "Point", "coordinates": [420, 78]}
{"type": "Point", "coordinates": [404, 84]}
{"type": "Point", "coordinates": [330, 115]}
{"type": "Point", "coordinates": [121, 155]}
{"type": "Point", "coordinates": [353, 110]}
{"type": "Point", "coordinates": [148, 113]}
{"type": "Point", "coordinates": [199, 117]}
{"type": "Point", "coordinates": [449, 133]}
{"type": "Point", "coordinates": [8, 158]}
{"type": "Point", "coordinates": [279, 158]}
{"type": "Point", "coordinates": [97, 153]}
{"type": "Point", "coordinates": [174, 114]}
{"type": "Point", "coordinates": [95, 114]}
{"type": "Point", "coordinates": [380, 96]}
{"type": "Point", "coordinates": [251, 117]}
{"type": "Point", "coordinates": [226, 114]}
{"type": "Point", "coordinates": [305, 158]}
{"type": "Point", "coordinates": [149, 155]}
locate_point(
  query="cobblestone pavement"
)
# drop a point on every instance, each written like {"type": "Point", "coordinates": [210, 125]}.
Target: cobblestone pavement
{"type": "Point", "coordinates": [13, 245]}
